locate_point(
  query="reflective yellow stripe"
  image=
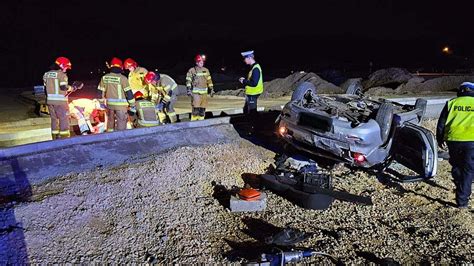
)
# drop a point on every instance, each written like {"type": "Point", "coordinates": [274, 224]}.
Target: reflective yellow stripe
{"type": "Point", "coordinates": [56, 97]}
{"type": "Point", "coordinates": [55, 132]}
{"type": "Point", "coordinates": [188, 78]}
{"type": "Point", "coordinates": [65, 133]}
{"type": "Point", "coordinates": [199, 90]}
{"type": "Point", "coordinates": [56, 86]}
{"type": "Point", "coordinates": [127, 89]}
{"type": "Point", "coordinates": [110, 130]}
{"type": "Point", "coordinates": [63, 83]}
{"type": "Point", "coordinates": [119, 91]}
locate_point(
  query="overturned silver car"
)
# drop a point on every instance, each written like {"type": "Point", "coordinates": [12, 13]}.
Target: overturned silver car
{"type": "Point", "coordinates": [358, 130]}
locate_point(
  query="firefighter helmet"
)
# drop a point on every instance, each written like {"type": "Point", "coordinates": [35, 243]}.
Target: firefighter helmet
{"type": "Point", "coordinates": [116, 62]}
{"type": "Point", "coordinates": [63, 62]}
{"type": "Point", "coordinates": [151, 76]}
{"type": "Point", "coordinates": [138, 94]}
{"type": "Point", "coordinates": [200, 57]}
{"type": "Point", "coordinates": [129, 62]}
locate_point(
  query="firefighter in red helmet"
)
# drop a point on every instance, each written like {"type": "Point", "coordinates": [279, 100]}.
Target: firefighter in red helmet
{"type": "Point", "coordinates": [117, 95]}
{"type": "Point", "coordinates": [57, 88]}
{"type": "Point", "coordinates": [199, 85]}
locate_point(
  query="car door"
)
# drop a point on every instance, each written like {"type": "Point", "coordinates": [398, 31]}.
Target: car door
{"type": "Point", "coordinates": [415, 147]}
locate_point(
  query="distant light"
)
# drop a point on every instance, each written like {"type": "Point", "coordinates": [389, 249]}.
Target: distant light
{"type": "Point", "coordinates": [92, 72]}
{"type": "Point", "coordinates": [447, 50]}
{"type": "Point", "coordinates": [156, 69]}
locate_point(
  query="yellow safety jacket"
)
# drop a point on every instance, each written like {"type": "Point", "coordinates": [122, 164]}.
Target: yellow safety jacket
{"type": "Point", "coordinates": [136, 80]}
{"type": "Point", "coordinates": [460, 122]}
{"type": "Point", "coordinates": [257, 89]}
{"type": "Point", "coordinates": [157, 93]}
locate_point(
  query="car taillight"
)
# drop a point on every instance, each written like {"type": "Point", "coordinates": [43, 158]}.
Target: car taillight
{"type": "Point", "coordinates": [282, 130]}
{"type": "Point", "coordinates": [359, 157]}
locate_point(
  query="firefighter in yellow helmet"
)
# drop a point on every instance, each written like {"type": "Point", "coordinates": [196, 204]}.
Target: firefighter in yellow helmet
{"type": "Point", "coordinates": [136, 76]}
{"type": "Point", "coordinates": [456, 127]}
{"type": "Point", "coordinates": [199, 85]}
{"type": "Point", "coordinates": [117, 95]}
{"type": "Point", "coordinates": [57, 89]}
{"type": "Point", "coordinates": [162, 91]}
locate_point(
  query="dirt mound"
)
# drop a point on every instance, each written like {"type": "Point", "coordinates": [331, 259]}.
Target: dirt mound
{"type": "Point", "coordinates": [285, 86]}
{"type": "Point", "coordinates": [420, 86]}
{"type": "Point", "coordinates": [389, 77]}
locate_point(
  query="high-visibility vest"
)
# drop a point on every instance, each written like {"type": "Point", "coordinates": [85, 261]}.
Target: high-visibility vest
{"type": "Point", "coordinates": [146, 113]}
{"type": "Point", "coordinates": [460, 122]}
{"type": "Point", "coordinates": [257, 89]}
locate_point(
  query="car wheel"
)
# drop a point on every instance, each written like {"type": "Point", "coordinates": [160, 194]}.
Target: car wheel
{"type": "Point", "coordinates": [355, 88]}
{"type": "Point", "coordinates": [302, 90]}
{"type": "Point", "coordinates": [384, 118]}
{"type": "Point", "coordinates": [420, 104]}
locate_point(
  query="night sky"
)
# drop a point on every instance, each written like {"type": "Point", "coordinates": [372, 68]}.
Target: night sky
{"type": "Point", "coordinates": [312, 36]}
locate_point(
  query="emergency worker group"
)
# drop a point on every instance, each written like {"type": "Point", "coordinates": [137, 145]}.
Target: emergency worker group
{"type": "Point", "coordinates": [145, 98]}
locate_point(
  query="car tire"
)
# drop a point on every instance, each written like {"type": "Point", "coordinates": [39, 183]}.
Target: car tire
{"type": "Point", "coordinates": [421, 104]}
{"type": "Point", "coordinates": [384, 118]}
{"type": "Point", "coordinates": [355, 88]}
{"type": "Point", "coordinates": [302, 89]}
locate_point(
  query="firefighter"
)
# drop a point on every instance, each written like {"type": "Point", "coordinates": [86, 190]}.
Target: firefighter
{"type": "Point", "coordinates": [90, 115]}
{"type": "Point", "coordinates": [117, 95]}
{"type": "Point", "coordinates": [253, 83]}
{"type": "Point", "coordinates": [456, 127]}
{"type": "Point", "coordinates": [136, 76]}
{"type": "Point", "coordinates": [57, 87]}
{"type": "Point", "coordinates": [145, 112]}
{"type": "Point", "coordinates": [162, 91]}
{"type": "Point", "coordinates": [199, 85]}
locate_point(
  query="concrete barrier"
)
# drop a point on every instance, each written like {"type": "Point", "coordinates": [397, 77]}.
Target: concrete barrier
{"type": "Point", "coordinates": [42, 161]}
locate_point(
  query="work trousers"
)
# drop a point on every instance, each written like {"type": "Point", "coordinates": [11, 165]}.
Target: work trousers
{"type": "Point", "coordinates": [59, 120]}
{"type": "Point", "coordinates": [116, 119]}
{"type": "Point", "coordinates": [461, 158]}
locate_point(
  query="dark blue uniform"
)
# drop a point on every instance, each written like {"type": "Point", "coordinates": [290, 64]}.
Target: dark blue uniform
{"type": "Point", "coordinates": [461, 155]}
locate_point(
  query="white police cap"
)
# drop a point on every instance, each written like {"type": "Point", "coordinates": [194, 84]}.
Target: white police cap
{"type": "Point", "coordinates": [247, 53]}
{"type": "Point", "coordinates": [469, 85]}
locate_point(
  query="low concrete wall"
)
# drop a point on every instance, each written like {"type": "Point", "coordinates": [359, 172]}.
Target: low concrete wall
{"type": "Point", "coordinates": [35, 163]}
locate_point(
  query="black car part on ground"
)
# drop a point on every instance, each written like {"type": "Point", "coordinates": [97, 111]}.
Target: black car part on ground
{"type": "Point", "coordinates": [305, 185]}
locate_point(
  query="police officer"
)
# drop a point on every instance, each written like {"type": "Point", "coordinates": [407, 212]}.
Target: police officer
{"type": "Point", "coordinates": [57, 88]}
{"type": "Point", "coordinates": [199, 85]}
{"type": "Point", "coordinates": [253, 86]}
{"type": "Point", "coordinates": [118, 96]}
{"type": "Point", "coordinates": [456, 127]}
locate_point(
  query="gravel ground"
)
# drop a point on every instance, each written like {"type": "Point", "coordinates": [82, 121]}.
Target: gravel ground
{"type": "Point", "coordinates": [163, 210]}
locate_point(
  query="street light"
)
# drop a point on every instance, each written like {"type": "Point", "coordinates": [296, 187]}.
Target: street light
{"type": "Point", "coordinates": [447, 50]}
